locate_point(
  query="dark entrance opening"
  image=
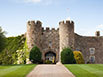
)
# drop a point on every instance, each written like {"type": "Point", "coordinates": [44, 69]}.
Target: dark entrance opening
{"type": "Point", "coordinates": [51, 56]}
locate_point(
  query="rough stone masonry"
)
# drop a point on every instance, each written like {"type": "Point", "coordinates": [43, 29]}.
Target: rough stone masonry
{"type": "Point", "coordinates": [54, 40]}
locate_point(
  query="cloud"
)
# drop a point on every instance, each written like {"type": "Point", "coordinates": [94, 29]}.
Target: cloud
{"type": "Point", "coordinates": [47, 2]}
{"type": "Point", "coordinates": [44, 2]}
{"type": "Point", "coordinates": [32, 1]}
{"type": "Point", "coordinates": [100, 26]}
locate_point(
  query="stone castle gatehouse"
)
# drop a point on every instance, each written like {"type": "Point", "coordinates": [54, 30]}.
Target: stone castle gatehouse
{"type": "Point", "coordinates": [52, 41]}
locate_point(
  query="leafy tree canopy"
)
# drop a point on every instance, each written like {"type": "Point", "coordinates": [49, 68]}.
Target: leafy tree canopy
{"type": "Point", "coordinates": [2, 39]}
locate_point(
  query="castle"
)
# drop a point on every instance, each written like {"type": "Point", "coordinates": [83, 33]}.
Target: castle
{"type": "Point", "coordinates": [52, 41]}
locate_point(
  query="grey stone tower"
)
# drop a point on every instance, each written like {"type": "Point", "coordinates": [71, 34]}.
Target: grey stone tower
{"type": "Point", "coordinates": [34, 31]}
{"type": "Point", "coordinates": [66, 35]}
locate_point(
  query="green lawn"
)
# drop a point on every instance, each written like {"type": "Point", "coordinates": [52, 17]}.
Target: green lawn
{"type": "Point", "coordinates": [15, 70]}
{"type": "Point", "coordinates": [86, 70]}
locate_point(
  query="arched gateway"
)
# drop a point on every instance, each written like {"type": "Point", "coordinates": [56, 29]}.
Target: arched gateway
{"type": "Point", "coordinates": [51, 56]}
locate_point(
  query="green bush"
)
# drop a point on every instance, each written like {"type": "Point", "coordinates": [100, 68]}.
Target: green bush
{"type": "Point", "coordinates": [78, 57]}
{"type": "Point", "coordinates": [35, 55]}
{"type": "Point", "coordinates": [67, 56]}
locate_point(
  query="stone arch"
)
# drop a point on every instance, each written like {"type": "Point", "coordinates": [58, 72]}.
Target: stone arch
{"type": "Point", "coordinates": [50, 50]}
{"type": "Point", "coordinates": [50, 56]}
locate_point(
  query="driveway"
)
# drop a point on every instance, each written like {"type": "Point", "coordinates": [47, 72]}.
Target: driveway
{"type": "Point", "coordinates": [47, 70]}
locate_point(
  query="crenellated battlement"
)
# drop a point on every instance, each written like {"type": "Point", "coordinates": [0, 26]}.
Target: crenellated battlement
{"type": "Point", "coordinates": [47, 29]}
{"type": "Point", "coordinates": [66, 22]}
{"type": "Point", "coordinates": [53, 29]}
{"type": "Point", "coordinates": [30, 22]}
{"type": "Point", "coordinates": [39, 23]}
{"type": "Point", "coordinates": [57, 29]}
{"type": "Point", "coordinates": [42, 29]}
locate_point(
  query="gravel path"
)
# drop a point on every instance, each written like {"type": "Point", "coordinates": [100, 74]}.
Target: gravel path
{"type": "Point", "coordinates": [50, 71]}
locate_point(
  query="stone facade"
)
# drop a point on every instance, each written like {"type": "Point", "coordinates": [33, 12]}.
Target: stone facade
{"type": "Point", "coordinates": [84, 43]}
{"type": "Point", "coordinates": [51, 40]}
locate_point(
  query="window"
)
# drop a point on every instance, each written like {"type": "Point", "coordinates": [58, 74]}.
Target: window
{"type": "Point", "coordinates": [42, 33]}
{"type": "Point", "coordinates": [92, 59]}
{"type": "Point", "coordinates": [92, 50]}
{"type": "Point", "coordinates": [50, 43]}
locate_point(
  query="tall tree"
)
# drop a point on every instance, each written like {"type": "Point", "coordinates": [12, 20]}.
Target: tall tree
{"type": "Point", "coordinates": [2, 39]}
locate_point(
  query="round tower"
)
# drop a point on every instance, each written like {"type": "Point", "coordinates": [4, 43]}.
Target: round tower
{"type": "Point", "coordinates": [66, 34]}
{"type": "Point", "coordinates": [34, 31]}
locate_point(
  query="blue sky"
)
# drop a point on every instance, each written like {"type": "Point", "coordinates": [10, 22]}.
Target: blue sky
{"type": "Point", "coordinates": [87, 14]}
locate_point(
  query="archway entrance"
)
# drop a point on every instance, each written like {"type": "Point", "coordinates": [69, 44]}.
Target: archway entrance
{"type": "Point", "coordinates": [50, 56]}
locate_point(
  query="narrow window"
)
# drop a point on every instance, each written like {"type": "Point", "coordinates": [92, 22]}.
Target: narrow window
{"type": "Point", "coordinates": [92, 51]}
{"type": "Point", "coordinates": [92, 59]}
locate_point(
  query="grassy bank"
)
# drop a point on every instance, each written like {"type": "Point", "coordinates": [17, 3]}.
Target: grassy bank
{"type": "Point", "coordinates": [86, 70]}
{"type": "Point", "coordinates": [15, 70]}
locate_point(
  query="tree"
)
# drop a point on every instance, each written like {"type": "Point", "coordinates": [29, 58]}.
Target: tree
{"type": "Point", "coordinates": [35, 55]}
{"type": "Point", "coordinates": [67, 56]}
{"type": "Point", "coordinates": [2, 39]}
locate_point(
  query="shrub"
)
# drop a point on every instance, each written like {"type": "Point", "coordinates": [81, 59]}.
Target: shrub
{"type": "Point", "coordinates": [35, 55]}
{"type": "Point", "coordinates": [67, 56]}
{"type": "Point", "coordinates": [48, 62]}
{"type": "Point", "coordinates": [78, 57]}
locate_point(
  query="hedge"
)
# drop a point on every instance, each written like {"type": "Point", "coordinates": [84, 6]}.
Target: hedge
{"type": "Point", "coordinates": [67, 56]}
{"type": "Point", "coordinates": [35, 55]}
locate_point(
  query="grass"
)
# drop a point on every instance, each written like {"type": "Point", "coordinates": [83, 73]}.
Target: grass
{"type": "Point", "coordinates": [15, 70]}
{"type": "Point", "coordinates": [86, 70]}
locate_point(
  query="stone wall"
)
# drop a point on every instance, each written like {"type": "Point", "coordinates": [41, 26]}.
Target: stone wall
{"type": "Point", "coordinates": [83, 43]}
{"type": "Point", "coordinates": [45, 39]}
{"type": "Point", "coordinates": [50, 42]}
{"type": "Point", "coordinates": [55, 40]}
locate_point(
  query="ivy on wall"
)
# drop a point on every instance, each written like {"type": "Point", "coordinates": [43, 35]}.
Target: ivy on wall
{"type": "Point", "coordinates": [15, 52]}
{"type": "Point", "coordinates": [23, 55]}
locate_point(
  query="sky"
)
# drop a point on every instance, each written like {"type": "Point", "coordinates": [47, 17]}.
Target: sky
{"type": "Point", "coordinates": [86, 14]}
